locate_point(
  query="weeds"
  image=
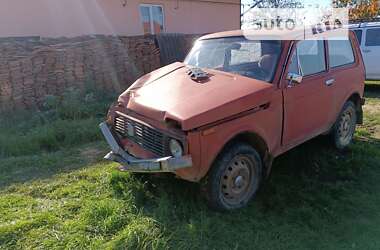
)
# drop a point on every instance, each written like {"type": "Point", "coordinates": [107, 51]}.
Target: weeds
{"type": "Point", "coordinates": [61, 122]}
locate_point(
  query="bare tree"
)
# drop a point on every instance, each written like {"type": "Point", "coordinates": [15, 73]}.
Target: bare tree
{"type": "Point", "coordinates": [274, 4]}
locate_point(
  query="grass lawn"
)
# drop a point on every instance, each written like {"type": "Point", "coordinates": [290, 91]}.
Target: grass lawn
{"type": "Point", "coordinates": [57, 195]}
{"type": "Point", "coordinates": [373, 82]}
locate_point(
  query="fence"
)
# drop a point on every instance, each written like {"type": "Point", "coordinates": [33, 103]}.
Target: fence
{"type": "Point", "coordinates": [33, 67]}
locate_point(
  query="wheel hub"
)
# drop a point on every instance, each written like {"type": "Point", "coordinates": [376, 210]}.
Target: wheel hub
{"type": "Point", "coordinates": [346, 127]}
{"type": "Point", "coordinates": [239, 181]}
{"type": "Point", "coordinates": [236, 181]}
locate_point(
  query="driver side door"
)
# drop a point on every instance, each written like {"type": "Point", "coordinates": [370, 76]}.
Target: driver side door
{"type": "Point", "coordinates": [307, 104]}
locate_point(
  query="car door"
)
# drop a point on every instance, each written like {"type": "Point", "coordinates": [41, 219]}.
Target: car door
{"type": "Point", "coordinates": [371, 52]}
{"type": "Point", "coordinates": [307, 105]}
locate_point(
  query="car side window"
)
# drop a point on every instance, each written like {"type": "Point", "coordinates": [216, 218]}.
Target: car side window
{"type": "Point", "coordinates": [340, 53]}
{"type": "Point", "coordinates": [358, 34]}
{"type": "Point", "coordinates": [372, 37]}
{"type": "Point", "coordinates": [293, 66]}
{"type": "Point", "coordinates": [308, 58]}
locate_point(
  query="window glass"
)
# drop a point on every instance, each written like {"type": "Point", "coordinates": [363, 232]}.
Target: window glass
{"type": "Point", "coordinates": [152, 18]}
{"type": "Point", "coordinates": [248, 52]}
{"type": "Point", "coordinates": [310, 56]}
{"type": "Point", "coordinates": [158, 19]}
{"type": "Point", "coordinates": [255, 59]}
{"type": "Point", "coordinates": [358, 34]}
{"type": "Point", "coordinates": [372, 37]}
{"type": "Point", "coordinates": [293, 67]}
{"type": "Point", "coordinates": [340, 53]}
{"type": "Point", "coordinates": [145, 19]}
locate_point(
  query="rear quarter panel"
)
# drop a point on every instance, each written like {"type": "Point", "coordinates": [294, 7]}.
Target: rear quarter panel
{"type": "Point", "coordinates": [349, 79]}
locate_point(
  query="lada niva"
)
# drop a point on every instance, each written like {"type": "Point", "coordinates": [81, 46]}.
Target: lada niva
{"type": "Point", "coordinates": [222, 116]}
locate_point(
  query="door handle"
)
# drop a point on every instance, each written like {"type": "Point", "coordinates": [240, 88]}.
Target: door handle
{"type": "Point", "coordinates": [330, 82]}
{"type": "Point", "coordinates": [366, 50]}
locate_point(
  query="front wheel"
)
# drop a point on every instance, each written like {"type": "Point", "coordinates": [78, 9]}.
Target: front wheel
{"type": "Point", "coordinates": [234, 178]}
{"type": "Point", "coordinates": [345, 126]}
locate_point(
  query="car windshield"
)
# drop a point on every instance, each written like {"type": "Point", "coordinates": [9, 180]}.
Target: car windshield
{"type": "Point", "coordinates": [238, 55]}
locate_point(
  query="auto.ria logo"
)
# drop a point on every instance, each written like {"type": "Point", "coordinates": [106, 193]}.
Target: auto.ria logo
{"type": "Point", "coordinates": [299, 23]}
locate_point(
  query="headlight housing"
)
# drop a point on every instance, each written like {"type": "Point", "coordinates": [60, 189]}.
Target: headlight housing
{"type": "Point", "coordinates": [175, 148]}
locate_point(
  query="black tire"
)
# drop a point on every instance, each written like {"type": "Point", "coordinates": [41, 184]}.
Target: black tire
{"type": "Point", "coordinates": [234, 178]}
{"type": "Point", "coordinates": [345, 126]}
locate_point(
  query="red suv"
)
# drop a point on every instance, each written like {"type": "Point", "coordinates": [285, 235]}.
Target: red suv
{"type": "Point", "coordinates": [234, 104]}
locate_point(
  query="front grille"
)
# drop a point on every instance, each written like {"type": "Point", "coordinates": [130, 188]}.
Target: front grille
{"type": "Point", "coordinates": [143, 135]}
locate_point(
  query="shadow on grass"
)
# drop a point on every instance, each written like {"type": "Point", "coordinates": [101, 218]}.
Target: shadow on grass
{"type": "Point", "coordinates": [372, 90]}
{"type": "Point", "coordinates": [314, 161]}
{"type": "Point", "coordinates": [14, 170]}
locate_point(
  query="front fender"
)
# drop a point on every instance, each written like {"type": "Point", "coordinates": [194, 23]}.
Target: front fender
{"type": "Point", "coordinates": [266, 124]}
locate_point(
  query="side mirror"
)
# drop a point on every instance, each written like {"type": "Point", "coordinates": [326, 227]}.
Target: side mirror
{"type": "Point", "coordinates": [294, 79]}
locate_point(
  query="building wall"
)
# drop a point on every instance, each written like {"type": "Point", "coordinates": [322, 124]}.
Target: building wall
{"type": "Point", "coordinates": [70, 18]}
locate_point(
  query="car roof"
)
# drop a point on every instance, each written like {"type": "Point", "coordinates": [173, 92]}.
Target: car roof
{"type": "Point", "coordinates": [235, 33]}
{"type": "Point", "coordinates": [276, 34]}
{"type": "Point", "coordinates": [363, 24]}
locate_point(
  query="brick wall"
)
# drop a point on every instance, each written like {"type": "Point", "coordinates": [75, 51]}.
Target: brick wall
{"type": "Point", "coordinates": [31, 67]}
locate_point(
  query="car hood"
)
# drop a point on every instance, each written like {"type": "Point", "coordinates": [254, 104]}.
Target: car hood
{"type": "Point", "coordinates": [170, 93]}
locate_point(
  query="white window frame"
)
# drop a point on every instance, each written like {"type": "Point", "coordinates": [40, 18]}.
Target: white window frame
{"type": "Point", "coordinates": [151, 16]}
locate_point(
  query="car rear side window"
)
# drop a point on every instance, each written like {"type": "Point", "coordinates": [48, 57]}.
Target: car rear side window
{"type": "Point", "coordinates": [340, 53]}
{"type": "Point", "coordinates": [309, 58]}
{"type": "Point", "coordinates": [372, 37]}
{"type": "Point", "coordinates": [358, 34]}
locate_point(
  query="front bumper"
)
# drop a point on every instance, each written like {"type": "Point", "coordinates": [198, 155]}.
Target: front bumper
{"type": "Point", "coordinates": [133, 164]}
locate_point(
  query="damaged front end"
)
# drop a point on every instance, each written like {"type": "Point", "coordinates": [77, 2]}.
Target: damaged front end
{"type": "Point", "coordinates": [143, 137]}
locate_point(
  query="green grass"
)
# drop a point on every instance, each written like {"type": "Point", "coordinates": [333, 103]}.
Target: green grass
{"type": "Point", "coordinates": [372, 85]}
{"type": "Point", "coordinates": [60, 123]}
{"type": "Point", "coordinates": [375, 82]}
{"type": "Point", "coordinates": [67, 197]}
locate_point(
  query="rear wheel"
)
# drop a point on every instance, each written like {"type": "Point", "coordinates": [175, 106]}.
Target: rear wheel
{"type": "Point", "coordinates": [234, 178]}
{"type": "Point", "coordinates": [344, 128]}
